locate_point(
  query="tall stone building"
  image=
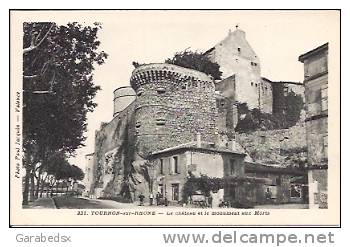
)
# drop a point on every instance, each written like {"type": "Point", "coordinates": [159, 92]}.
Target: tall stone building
{"type": "Point", "coordinates": [316, 97]}
{"type": "Point", "coordinates": [241, 73]}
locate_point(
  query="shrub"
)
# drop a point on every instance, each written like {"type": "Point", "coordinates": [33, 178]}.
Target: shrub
{"type": "Point", "coordinates": [197, 61]}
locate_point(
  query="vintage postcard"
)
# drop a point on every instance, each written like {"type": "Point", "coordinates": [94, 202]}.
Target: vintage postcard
{"type": "Point", "coordinates": [175, 118]}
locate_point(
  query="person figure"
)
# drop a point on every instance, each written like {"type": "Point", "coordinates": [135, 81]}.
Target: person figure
{"type": "Point", "coordinates": [268, 194]}
{"type": "Point", "coordinates": [165, 200]}
{"type": "Point", "coordinates": [210, 201]}
{"type": "Point", "coordinates": [151, 199]}
{"type": "Point", "coordinates": [158, 198]}
{"type": "Point", "coordinates": [141, 197]}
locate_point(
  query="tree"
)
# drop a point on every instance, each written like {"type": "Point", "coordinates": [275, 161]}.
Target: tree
{"type": "Point", "coordinates": [197, 61]}
{"type": "Point", "coordinates": [294, 105]}
{"type": "Point", "coordinates": [58, 169]}
{"type": "Point", "coordinates": [58, 90]}
{"type": "Point", "coordinates": [204, 184]}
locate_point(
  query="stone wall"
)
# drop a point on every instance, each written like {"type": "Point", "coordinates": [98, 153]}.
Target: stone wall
{"type": "Point", "coordinates": [266, 98]}
{"type": "Point", "coordinates": [114, 153]}
{"type": "Point", "coordinates": [285, 147]}
{"type": "Point", "coordinates": [173, 105]}
{"type": "Point", "coordinates": [317, 142]}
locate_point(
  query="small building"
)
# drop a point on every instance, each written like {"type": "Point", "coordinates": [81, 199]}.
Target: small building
{"type": "Point", "coordinates": [174, 165]}
{"type": "Point", "coordinates": [316, 98]}
{"type": "Point", "coordinates": [89, 176]}
{"type": "Point", "coordinates": [281, 184]}
{"type": "Point", "coordinates": [265, 184]}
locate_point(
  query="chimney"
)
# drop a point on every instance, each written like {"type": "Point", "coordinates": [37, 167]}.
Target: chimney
{"type": "Point", "coordinates": [199, 141]}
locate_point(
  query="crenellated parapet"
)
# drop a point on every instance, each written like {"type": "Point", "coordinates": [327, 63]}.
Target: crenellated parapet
{"type": "Point", "coordinates": [161, 72]}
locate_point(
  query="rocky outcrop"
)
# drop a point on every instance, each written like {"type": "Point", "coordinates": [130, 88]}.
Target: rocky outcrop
{"type": "Point", "coordinates": [283, 147]}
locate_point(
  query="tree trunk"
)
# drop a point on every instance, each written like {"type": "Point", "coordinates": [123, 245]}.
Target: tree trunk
{"type": "Point", "coordinates": [42, 187]}
{"type": "Point", "coordinates": [67, 187]}
{"type": "Point", "coordinates": [26, 187]}
{"type": "Point", "coordinates": [32, 187]}
{"type": "Point", "coordinates": [38, 180]}
{"type": "Point", "coordinates": [56, 188]}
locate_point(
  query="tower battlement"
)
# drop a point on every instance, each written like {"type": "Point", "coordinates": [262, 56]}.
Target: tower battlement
{"type": "Point", "coordinates": [160, 72]}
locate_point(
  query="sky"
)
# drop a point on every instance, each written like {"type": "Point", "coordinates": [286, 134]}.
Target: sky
{"type": "Point", "coordinates": [277, 37]}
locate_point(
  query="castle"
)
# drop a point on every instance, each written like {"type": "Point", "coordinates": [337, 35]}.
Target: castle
{"type": "Point", "coordinates": [173, 121]}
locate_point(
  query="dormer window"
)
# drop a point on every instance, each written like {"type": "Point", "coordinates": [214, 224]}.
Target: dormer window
{"type": "Point", "coordinates": [160, 121]}
{"type": "Point", "coordinates": [139, 92]}
{"type": "Point", "coordinates": [160, 90]}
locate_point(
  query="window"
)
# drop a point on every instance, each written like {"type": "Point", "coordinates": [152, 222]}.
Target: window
{"type": "Point", "coordinates": [160, 121]}
{"type": "Point", "coordinates": [175, 189]}
{"type": "Point", "coordinates": [295, 191]}
{"type": "Point", "coordinates": [161, 189]}
{"type": "Point", "coordinates": [139, 92]}
{"type": "Point", "coordinates": [232, 166]}
{"type": "Point", "coordinates": [160, 90]}
{"type": "Point", "coordinates": [161, 167]}
{"type": "Point", "coordinates": [279, 181]}
{"type": "Point", "coordinates": [252, 83]}
{"type": "Point", "coordinates": [271, 192]}
{"type": "Point", "coordinates": [175, 164]}
{"type": "Point", "coordinates": [138, 124]}
{"type": "Point", "coordinates": [324, 98]}
{"type": "Point", "coordinates": [239, 49]}
{"type": "Point", "coordinates": [325, 145]}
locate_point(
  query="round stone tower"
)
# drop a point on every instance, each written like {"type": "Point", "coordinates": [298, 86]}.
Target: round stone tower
{"type": "Point", "coordinates": [173, 106]}
{"type": "Point", "coordinates": [123, 96]}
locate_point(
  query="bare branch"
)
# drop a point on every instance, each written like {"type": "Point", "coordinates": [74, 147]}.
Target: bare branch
{"type": "Point", "coordinates": [34, 46]}
{"type": "Point", "coordinates": [42, 92]}
{"type": "Point", "coordinates": [30, 76]}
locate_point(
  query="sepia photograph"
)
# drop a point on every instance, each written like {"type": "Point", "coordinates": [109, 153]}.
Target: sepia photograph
{"type": "Point", "coordinates": [175, 117]}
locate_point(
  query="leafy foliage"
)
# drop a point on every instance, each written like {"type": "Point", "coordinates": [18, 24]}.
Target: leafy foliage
{"type": "Point", "coordinates": [204, 184]}
{"type": "Point", "coordinates": [251, 120]}
{"type": "Point", "coordinates": [58, 90]}
{"type": "Point", "coordinates": [61, 169]}
{"type": "Point", "coordinates": [137, 64]}
{"type": "Point", "coordinates": [197, 61]}
{"type": "Point", "coordinates": [58, 83]}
